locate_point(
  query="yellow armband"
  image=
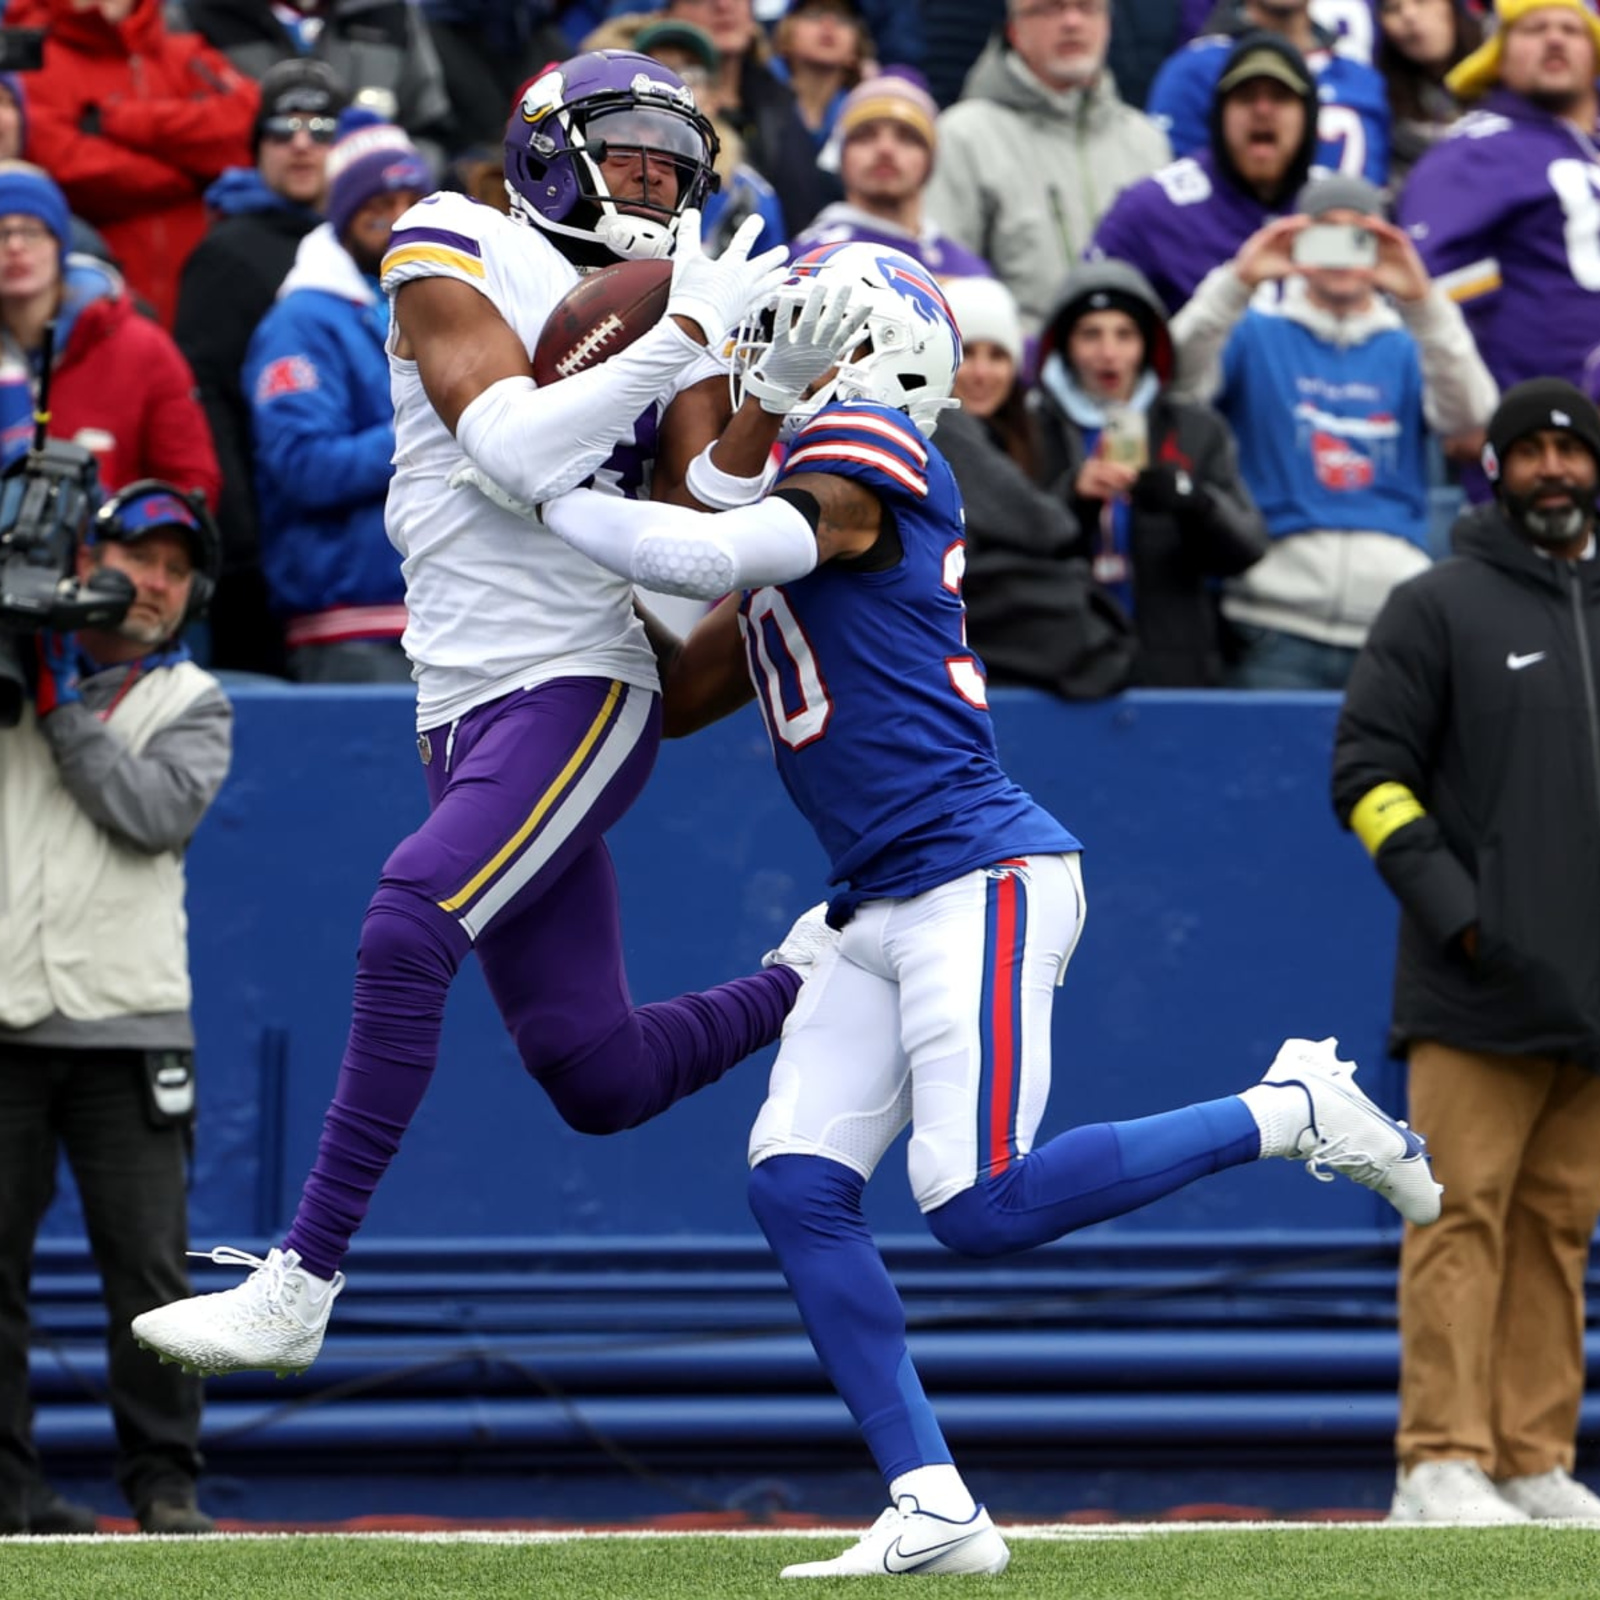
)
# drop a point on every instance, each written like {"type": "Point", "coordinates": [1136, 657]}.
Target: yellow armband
{"type": "Point", "coordinates": [1381, 811]}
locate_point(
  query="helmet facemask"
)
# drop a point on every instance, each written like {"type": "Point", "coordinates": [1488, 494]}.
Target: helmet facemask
{"type": "Point", "coordinates": [909, 349]}
{"type": "Point", "coordinates": [570, 122]}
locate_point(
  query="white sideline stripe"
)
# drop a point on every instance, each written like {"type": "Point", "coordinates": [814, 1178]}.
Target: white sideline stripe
{"type": "Point", "coordinates": [1061, 1532]}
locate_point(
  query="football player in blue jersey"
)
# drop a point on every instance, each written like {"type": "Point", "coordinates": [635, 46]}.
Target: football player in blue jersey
{"type": "Point", "coordinates": [959, 898]}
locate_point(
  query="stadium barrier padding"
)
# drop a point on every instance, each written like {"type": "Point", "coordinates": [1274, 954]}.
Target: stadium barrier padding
{"type": "Point", "coordinates": [521, 1290]}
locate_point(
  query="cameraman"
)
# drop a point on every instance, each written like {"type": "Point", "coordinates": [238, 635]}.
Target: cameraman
{"type": "Point", "coordinates": [102, 783]}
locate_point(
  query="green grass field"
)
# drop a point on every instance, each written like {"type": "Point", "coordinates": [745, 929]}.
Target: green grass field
{"type": "Point", "coordinates": [1350, 1562]}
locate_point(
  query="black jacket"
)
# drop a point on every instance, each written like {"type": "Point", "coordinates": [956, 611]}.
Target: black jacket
{"type": "Point", "coordinates": [1478, 689]}
{"type": "Point", "coordinates": [228, 285]}
{"type": "Point", "coordinates": [1176, 555]}
{"type": "Point", "coordinates": [1034, 614]}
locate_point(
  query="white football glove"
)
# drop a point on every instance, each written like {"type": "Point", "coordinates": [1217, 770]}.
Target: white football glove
{"type": "Point", "coordinates": [714, 294]}
{"type": "Point", "coordinates": [468, 476]}
{"type": "Point", "coordinates": [826, 330]}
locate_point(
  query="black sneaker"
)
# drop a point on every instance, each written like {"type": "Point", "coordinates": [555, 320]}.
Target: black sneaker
{"type": "Point", "coordinates": [174, 1513]}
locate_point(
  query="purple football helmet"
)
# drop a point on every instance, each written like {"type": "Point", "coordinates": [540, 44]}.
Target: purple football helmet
{"type": "Point", "coordinates": [617, 105]}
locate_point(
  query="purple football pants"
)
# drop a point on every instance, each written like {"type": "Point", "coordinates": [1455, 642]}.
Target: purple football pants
{"type": "Point", "coordinates": [511, 862]}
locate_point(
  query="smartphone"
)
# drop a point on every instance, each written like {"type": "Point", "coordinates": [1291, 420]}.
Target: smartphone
{"type": "Point", "coordinates": [1334, 244]}
{"type": "Point", "coordinates": [1126, 438]}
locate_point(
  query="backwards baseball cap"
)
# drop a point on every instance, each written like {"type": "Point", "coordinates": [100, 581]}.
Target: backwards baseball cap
{"type": "Point", "coordinates": [1281, 63]}
{"type": "Point", "coordinates": [895, 98]}
{"type": "Point", "coordinates": [1540, 403]}
{"type": "Point", "coordinates": [373, 160]}
{"type": "Point", "coordinates": [1479, 72]}
{"type": "Point", "coordinates": [299, 87]}
{"type": "Point", "coordinates": [30, 191]}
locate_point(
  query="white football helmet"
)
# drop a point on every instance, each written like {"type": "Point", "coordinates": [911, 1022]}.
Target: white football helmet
{"type": "Point", "coordinates": [910, 349]}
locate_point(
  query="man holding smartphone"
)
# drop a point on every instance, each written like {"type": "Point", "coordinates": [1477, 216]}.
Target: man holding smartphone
{"type": "Point", "coordinates": [1364, 354]}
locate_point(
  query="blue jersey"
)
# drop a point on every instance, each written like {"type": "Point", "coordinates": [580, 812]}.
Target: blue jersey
{"type": "Point", "coordinates": [876, 706]}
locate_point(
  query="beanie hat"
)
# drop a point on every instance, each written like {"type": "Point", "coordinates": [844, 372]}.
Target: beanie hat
{"type": "Point", "coordinates": [27, 191]}
{"type": "Point", "coordinates": [1480, 72]}
{"type": "Point", "coordinates": [1337, 192]}
{"type": "Point", "coordinates": [1110, 285]}
{"type": "Point", "coordinates": [368, 162]}
{"type": "Point", "coordinates": [984, 309]}
{"type": "Point", "coordinates": [299, 87]}
{"type": "Point", "coordinates": [1540, 403]}
{"type": "Point", "coordinates": [893, 97]}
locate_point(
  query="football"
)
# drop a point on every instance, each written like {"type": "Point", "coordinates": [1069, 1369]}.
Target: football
{"type": "Point", "coordinates": [602, 313]}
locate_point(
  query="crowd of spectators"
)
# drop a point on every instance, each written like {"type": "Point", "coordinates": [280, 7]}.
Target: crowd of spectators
{"type": "Point", "coordinates": [1127, 180]}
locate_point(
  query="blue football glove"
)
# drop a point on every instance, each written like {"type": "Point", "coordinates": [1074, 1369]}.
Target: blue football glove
{"type": "Point", "coordinates": [58, 672]}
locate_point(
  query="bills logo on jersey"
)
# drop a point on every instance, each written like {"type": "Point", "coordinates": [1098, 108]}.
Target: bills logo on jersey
{"type": "Point", "coordinates": [286, 375]}
{"type": "Point", "coordinates": [1339, 465]}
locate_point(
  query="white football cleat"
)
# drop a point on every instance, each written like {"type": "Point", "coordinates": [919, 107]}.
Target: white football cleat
{"type": "Point", "coordinates": [272, 1322]}
{"type": "Point", "coordinates": [1450, 1493]}
{"type": "Point", "coordinates": [805, 943]}
{"type": "Point", "coordinates": [908, 1540]}
{"type": "Point", "coordinates": [1553, 1496]}
{"type": "Point", "coordinates": [1350, 1135]}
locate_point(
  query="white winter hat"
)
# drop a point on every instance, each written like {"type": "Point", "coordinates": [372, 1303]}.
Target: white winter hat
{"type": "Point", "coordinates": [983, 309]}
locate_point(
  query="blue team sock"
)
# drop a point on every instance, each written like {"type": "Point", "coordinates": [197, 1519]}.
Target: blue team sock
{"type": "Point", "coordinates": [810, 1210]}
{"type": "Point", "coordinates": [1088, 1174]}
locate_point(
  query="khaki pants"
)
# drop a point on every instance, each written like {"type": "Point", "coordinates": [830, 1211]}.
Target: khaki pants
{"type": "Point", "coordinates": [1491, 1295]}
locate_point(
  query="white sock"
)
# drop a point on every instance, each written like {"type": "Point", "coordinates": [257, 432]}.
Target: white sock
{"type": "Point", "coordinates": [938, 1489]}
{"type": "Point", "coordinates": [1283, 1114]}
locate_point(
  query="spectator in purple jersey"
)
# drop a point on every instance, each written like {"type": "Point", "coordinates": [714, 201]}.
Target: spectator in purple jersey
{"type": "Point", "coordinates": [1419, 42]}
{"type": "Point", "coordinates": [1193, 215]}
{"type": "Point", "coordinates": [1503, 210]}
{"type": "Point", "coordinates": [886, 143]}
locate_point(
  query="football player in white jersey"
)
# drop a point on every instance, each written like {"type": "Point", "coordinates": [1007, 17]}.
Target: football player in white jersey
{"type": "Point", "coordinates": [539, 710]}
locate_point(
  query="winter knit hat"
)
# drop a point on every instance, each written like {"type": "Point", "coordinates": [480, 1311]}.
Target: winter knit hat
{"type": "Point", "coordinates": [1480, 71]}
{"type": "Point", "coordinates": [29, 191]}
{"type": "Point", "coordinates": [895, 98]}
{"type": "Point", "coordinates": [1340, 192]}
{"type": "Point", "coordinates": [302, 86]}
{"type": "Point", "coordinates": [1540, 403]}
{"type": "Point", "coordinates": [984, 309]}
{"type": "Point", "coordinates": [372, 161]}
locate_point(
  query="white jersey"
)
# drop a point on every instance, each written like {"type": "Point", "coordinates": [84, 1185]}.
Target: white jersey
{"type": "Point", "coordinates": [496, 602]}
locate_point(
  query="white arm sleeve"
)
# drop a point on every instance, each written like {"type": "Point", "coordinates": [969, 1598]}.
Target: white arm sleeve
{"type": "Point", "coordinates": [722, 491]}
{"type": "Point", "coordinates": [537, 443]}
{"type": "Point", "coordinates": [673, 550]}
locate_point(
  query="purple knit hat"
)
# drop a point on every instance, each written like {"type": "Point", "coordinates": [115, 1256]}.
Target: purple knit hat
{"type": "Point", "coordinates": [368, 162]}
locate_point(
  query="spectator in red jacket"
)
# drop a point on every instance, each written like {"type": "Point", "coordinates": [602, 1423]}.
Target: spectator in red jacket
{"type": "Point", "coordinates": [134, 123]}
{"type": "Point", "coordinates": [119, 386]}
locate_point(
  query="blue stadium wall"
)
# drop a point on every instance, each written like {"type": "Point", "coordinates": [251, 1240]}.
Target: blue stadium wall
{"type": "Point", "coordinates": [543, 1324]}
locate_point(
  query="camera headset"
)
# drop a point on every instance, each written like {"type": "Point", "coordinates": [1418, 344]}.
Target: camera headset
{"type": "Point", "coordinates": [151, 505]}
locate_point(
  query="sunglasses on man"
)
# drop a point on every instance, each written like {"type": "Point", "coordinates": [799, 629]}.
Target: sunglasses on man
{"type": "Point", "coordinates": [281, 130]}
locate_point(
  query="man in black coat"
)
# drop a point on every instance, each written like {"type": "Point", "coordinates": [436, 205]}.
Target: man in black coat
{"type": "Point", "coordinates": [228, 284]}
{"type": "Point", "coordinates": [1467, 761]}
